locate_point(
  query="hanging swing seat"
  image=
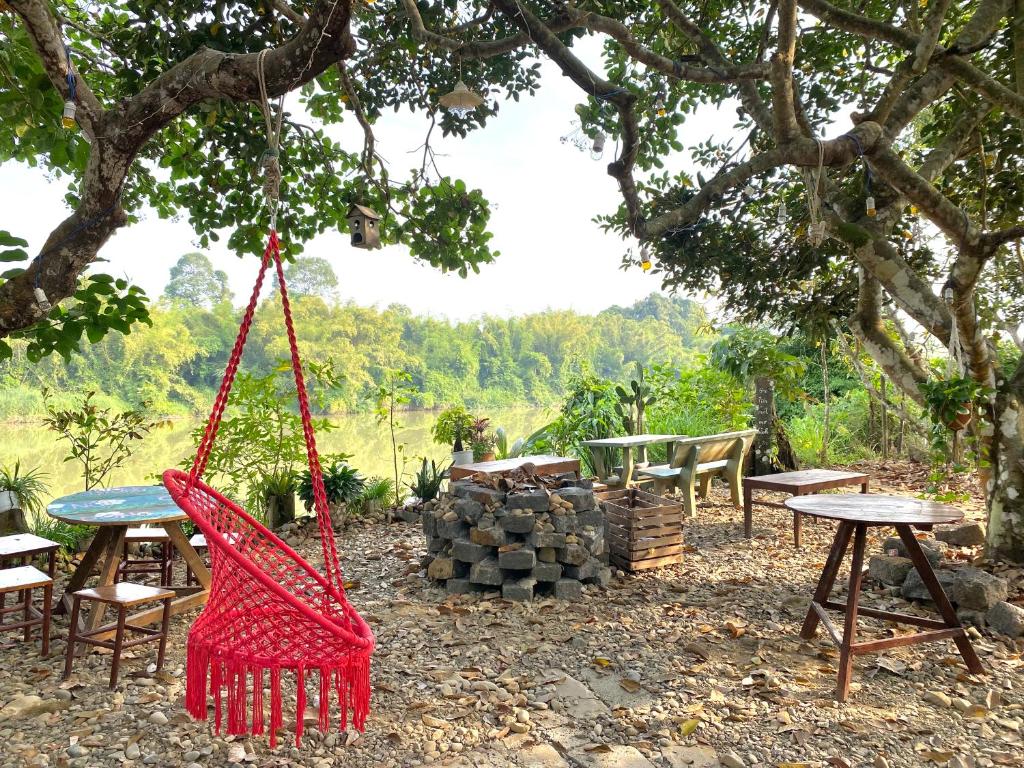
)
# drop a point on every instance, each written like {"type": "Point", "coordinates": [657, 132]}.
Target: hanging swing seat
{"type": "Point", "coordinates": [268, 609]}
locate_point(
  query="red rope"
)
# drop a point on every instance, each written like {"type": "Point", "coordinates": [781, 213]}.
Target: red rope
{"type": "Point", "coordinates": [330, 552]}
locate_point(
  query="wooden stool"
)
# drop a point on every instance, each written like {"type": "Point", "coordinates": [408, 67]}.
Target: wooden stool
{"type": "Point", "coordinates": [24, 579]}
{"type": "Point", "coordinates": [123, 595]}
{"type": "Point", "coordinates": [163, 565]}
{"type": "Point", "coordinates": [23, 547]}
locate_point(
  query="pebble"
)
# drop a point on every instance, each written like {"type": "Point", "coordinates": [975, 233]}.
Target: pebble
{"type": "Point", "coordinates": [132, 752]}
{"type": "Point", "coordinates": [158, 718]}
{"type": "Point", "coordinates": [731, 760]}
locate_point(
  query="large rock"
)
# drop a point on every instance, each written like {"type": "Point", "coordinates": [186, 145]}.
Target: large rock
{"type": "Point", "coordinates": [547, 572]}
{"type": "Point", "coordinates": [518, 559]}
{"type": "Point", "coordinates": [574, 554]}
{"type": "Point", "coordinates": [593, 518]}
{"type": "Point", "coordinates": [486, 572]}
{"type": "Point", "coordinates": [478, 493]}
{"type": "Point", "coordinates": [538, 539]}
{"type": "Point", "coordinates": [468, 552]}
{"type": "Point", "coordinates": [568, 589]}
{"type": "Point", "coordinates": [977, 590]}
{"type": "Point", "coordinates": [564, 523]}
{"type": "Point", "coordinates": [582, 499]}
{"type": "Point", "coordinates": [520, 590]}
{"type": "Point", "coordinates": [914, 588]}
{"type": "Point", "coordinates": [964, 535]}
{"type": "Point", "coordinates": [30, 705]}
{"type": "Point", "coordinates": [490, 537]}
{"type": "Point", "coordinates": [459, 587]}
{"type": "Point", "coordinates": [894, 543]}
{"type": "Point", "coordinates": [588, 570]}
{"type": "Point", "coordinates": [429, 522]}
{"type": "Point", "coordinates": [469, 510]}
{"type": "Point", "coordinates": [537, 501]}
{"type": "Point", "coordinates": [518, 523]}
{"type": "Point", "coordinates": [889, 570]}
{"type": "Point", "coordinates": [1007, 619]}
{"type": "Point", "coordinates": [452, 529]}
{"type": "Point", "coordinates": [441, 569]}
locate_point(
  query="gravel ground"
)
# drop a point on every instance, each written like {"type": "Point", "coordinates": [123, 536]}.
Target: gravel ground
{"type": "Point", "coordinates": [699, 664]}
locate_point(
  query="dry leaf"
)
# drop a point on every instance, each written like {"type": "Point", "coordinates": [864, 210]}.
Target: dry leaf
{"type": "Point", "coordinates": [977, 711]}
{"type": "Point", "coordinates": [601, 661]}
{"type": "Point", "coordinates": [689, 726]}
{"type": "Point", "coordinates": [937, 756]}
{"type": "Point", "coordinates": [603, 748]}
{"type": "Point", "coordinates": [629, 685]}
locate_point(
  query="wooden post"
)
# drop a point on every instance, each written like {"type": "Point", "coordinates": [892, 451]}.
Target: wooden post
{"type": "Point", "coordinates": [764, 394]}
{"type": "Point", "coordinates": [885, 422]}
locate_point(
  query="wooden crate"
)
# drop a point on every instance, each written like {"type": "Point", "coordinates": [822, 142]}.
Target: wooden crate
{"type": "Point", "coordinates": [642, 530]}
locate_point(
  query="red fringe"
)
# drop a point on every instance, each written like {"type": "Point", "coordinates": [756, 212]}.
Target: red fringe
{"type": "Point", "coordinates": [207, 675]}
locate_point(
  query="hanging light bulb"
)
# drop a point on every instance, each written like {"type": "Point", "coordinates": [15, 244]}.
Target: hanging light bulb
{"type": "Point", "coordinates": [68, 118]}
{"type": "Point", "coordinates": [41, 301]}
{"type": "Point", "coordinates": [597, 148]}
{"type": "Point", "coordinates": [913, 210]}
{"type": "Point", "coordinates": [749, 190]}
{"type": "Point", "coordinates": [783, 215]}
{"type": "Point", "coordinates": [659, 107]}
{"type": "Point", "coordinates": [908, 235]}
{"type": "Point", "coordinates": [461, 101]}
{"type": "Point", "coordinates": [645, 259]}
{"type": "Point", "coordinates": [869, 206]}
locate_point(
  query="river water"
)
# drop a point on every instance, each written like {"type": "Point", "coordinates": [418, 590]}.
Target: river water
{"type": "Point", "coordinates": [357, 434]}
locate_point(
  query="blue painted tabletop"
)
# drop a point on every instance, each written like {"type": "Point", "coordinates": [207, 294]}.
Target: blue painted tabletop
{"type": "Point", "coordinates": [127, 505]}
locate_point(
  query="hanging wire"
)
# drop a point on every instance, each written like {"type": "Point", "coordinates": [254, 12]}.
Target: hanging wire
{"type": "Point", "coordinates": [270, 160]}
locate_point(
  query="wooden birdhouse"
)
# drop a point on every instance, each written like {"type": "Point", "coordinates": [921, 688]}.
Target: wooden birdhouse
{"type": "Point", "coordinates": [364, 225]}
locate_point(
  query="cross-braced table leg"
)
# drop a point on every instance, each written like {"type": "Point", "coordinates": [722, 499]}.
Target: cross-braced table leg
{"type": "Point", "coordinates": [828, 578]}
{"type": "Point", "coordinates": [846, 648]}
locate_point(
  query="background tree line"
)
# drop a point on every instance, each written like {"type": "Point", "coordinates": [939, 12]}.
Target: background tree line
{"type": "Point", "coordinates": [176, 363]}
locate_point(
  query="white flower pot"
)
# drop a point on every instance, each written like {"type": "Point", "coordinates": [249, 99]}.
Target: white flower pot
{"type": "Point", "coordinates": [8, 500]}
{"type": "Point", "coordinates": [461, 458]}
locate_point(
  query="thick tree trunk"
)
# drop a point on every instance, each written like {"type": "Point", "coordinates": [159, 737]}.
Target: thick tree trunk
{"type": "Point", "coordinates": [1005, 538]}
{"type": "Point", "coordinates": [764, 409]}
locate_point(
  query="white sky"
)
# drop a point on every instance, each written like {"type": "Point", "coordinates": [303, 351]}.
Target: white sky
{"type": "Point", "coordinates": [543, 193]}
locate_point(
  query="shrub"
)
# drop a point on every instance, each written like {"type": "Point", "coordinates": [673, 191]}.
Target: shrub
{"type": "Point", "coordinates": [343, 484]}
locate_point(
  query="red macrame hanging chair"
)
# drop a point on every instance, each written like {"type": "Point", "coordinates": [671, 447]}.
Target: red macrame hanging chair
{"type": "Point", "coordinates": [268, 609]}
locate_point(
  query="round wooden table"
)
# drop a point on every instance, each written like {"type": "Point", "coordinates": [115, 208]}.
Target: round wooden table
{"type": "Point", "coordinates": [113, 510]}
{"type": "Point", "coordinates": [856, 513]}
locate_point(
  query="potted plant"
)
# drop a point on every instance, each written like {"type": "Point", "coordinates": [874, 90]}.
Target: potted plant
{"type": "Point", "coordinates": [482, 441]}
{"type": "Point", "coordinates": [949, 400]}
{"type": "Point", "coordinates": [343, 485]}
{"type": "Point", "coordinates": [20, 493]}
{"type": "Point", "coordinates": [453, 425]}
{"type": "Point", "coordinates": [279, 498]}
{"type": "Point", "coordinates": [427, 482]}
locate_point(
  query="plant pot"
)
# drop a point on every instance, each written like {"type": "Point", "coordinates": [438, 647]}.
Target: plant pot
{"type": "Point", "coordinates": [9, 500]}
{"type": "Point", "coordinates": [489, 456]}
{"type": "Point", "coordinates": [461, 458]}
{"type": "Point", "coordinates": [961, 420]}
{"type": "Point", "coordinates": [280, 510]}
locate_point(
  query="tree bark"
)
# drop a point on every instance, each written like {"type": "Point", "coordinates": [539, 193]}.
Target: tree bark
{"type": "Point", "coordinates": [1005, 536]}
{"type": "Point", "coordinates": [764, 409]}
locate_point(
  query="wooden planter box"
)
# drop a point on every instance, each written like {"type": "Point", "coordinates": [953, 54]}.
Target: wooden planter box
{"type": "Point", "coordinates": [642, 530]}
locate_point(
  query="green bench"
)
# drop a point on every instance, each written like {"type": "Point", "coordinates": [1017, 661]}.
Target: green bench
{"type": "Point", "coordinates": [703, 458]}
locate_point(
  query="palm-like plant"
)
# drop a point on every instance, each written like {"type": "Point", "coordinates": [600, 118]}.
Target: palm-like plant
{"type": "Point", "coordinates": [30, 487]}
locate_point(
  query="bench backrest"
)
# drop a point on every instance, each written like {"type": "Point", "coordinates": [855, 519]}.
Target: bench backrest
{"type": "Point", "coordinates": [726, 445]}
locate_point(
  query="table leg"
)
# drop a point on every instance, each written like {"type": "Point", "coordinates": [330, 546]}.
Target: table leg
{"type": "Point", "coordinates": [84, 569]}
{"type": "Point", "coordinates": [188, 553]}
{"type": "Point", "coordinates": [108, 572]}
{"type": "Point", "coordinates": [627, 466]}
{"type": "Point", "coordinates": [864, 486]}
{"type": "Point", "coordinates": [828, 577]}
{"type": "Point", "coordinates": [924, 568]}
{"type": "Point", "coordinates": [797, 522]}
{"type": "Point", "coordinates": [860, 538]}
{"type": "Point", "coordinates": [748, 511]}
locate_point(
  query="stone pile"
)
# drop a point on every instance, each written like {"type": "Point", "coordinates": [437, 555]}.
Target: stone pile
{"type": "Point", "coordinates": [980, 598]}
{"type": "Point", "coordinates": [545, 539]}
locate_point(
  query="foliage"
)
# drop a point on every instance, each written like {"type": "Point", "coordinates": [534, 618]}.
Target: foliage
{"type": "Point", "coordinates": [426, 483]}
{"type": "Point", "coordinates": [100, 304]}
{"type": "Point", "coordinates": [752, 353]}
{"type": "Point", "coordinates": [849, 436]}
{"type": "Point", "coordinates": [67, 535]}
{"type": "Point", "coordinates": [195, 283]}
{"type": "Point", "coordinates": [30, 487]}
{"type": "Point", "coordinates": [452, 425]}
{"type": "Point", "coordinates": [377, 491]}
{"type": "Point", "coordinates": [482, 440]}
{"type": "Point", "coordinates": [948, 398]}
{"type": "Point", "coordinates": [99, 439]}
{"type": "Point", "coordinates": [311, 276]}
{"type": "Point", "coordinates": [393, 393]}
{"type": "Point", "coordinates": [588, 413]}
{"type": "Point", "coordinates": [260, 440]}
{"type": "Point", "coordinates": [342, 483]}
{"type": "Point", "coordinates": [483, 365]}
{"type": "Point", "coordinates": [632, 403]}
{"type": "Point", "coordinates": [521, 446]}
{"type": "Point", "coordinates": [281, 483]}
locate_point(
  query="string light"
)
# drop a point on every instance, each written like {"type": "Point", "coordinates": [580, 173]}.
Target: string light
{"type": "Point", "coordinates": [869, 206]}
{"type": "Point", "coordinates": [597, 148]}
{"type": "Point", "coordinates": [783, 215]}
{"type": "Point", "coordinates": [659, 107]}
{"type": "Point", "coordinates": [645, 259]}
{"type": "Point", "coordinates": [67, 119]}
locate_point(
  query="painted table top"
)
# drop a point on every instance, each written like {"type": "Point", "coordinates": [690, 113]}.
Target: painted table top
{"type": "Point", "coordinates": [127, 505]}
{"type": "Point", "coordinates": [875, 509]}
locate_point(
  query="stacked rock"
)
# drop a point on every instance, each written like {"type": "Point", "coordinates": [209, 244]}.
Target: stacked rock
{"type": "Point", "coordinates": [530, 541]}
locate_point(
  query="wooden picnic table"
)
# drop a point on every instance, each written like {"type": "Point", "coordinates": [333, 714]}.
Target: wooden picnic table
{"type": "Point", "coordinates": [856, 513]}
{"type": "Point", "coordinates": [546, 465]}
{"type": "Point", "coordinates": [626, 444]}
{"type": "Point", "coordinates": [113, 510]}
{"type": "Point", "coordinates": [799, 483]}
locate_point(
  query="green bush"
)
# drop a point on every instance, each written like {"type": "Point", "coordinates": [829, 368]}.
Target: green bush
{"type": "Point", "coordinates": [343, 484]}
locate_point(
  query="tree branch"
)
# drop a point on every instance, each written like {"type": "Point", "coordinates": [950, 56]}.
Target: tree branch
{"type": "Point", "coordinates": [937, 10]}
{"type": "Point", "coordinates": [783, 93]}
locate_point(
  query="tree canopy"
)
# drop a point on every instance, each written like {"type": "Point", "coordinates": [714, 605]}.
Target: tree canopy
{"type": "Point", "coordinates": [873, 174]}
{"type": "Point", "coordinates": [194, 282]}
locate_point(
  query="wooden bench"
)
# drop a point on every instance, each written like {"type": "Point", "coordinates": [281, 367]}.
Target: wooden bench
{"type": "Point", "coordinates": [704, 458]}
